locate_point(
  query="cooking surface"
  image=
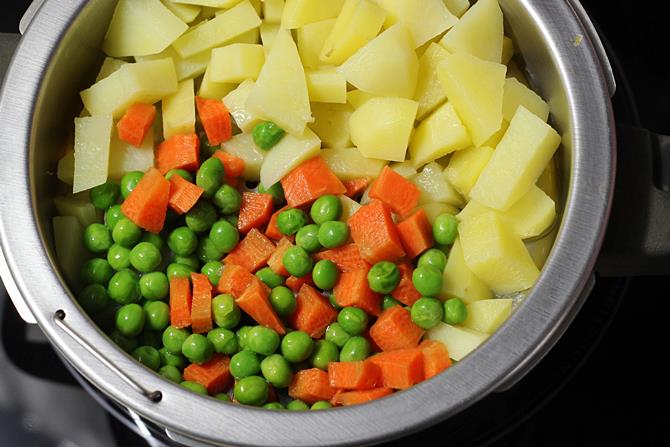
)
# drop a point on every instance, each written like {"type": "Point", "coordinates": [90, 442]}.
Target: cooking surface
{"type": "Point", "coordinates": [596, 387]}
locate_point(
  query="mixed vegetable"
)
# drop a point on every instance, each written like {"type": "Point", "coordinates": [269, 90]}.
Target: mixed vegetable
{"type": "Point", "coordinates": [337, 212]}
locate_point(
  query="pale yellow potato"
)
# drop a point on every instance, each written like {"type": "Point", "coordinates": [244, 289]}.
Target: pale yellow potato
{"type": "Point", "coordinates": [405, 168]}
{"type": "Point", "coordinates": [218, 4]}
{"type": "Point", "coordinates": [488, 315]}
{"type": "Point", "coordinates": [459, 281]}
{"type": "Point", "coordinates": [214, 90]}
{"type": "Point", "coordinates": [311, 39]}
{"type": "Point", "coordinates": [236, 63]}
{"type": "Point", "coordinates": [381, 127]}
{"type": "Point", "coordinates": [457, 7]}
{"type": "Point", "coordinates": [358, 97]}
{"type": "Point", "coordinates": [109, 66]}
{"type": "Point", "coordinates": [191, 67]}
{"type": "Point", "coordinates": [478, 33]}
{"type": "Point", "coordinates": [516, 72]}
{"type": "Point", "coordinates": [516, 94]}
{"type": "Point", "coordinates": [268, 35]}
{"type": "Point", "coordinates": [243, 146]}
{"type": "Point", "coordinates": [331, 124]}
{"type": "Point", "coordinates": [326, 85]}
{"type": "Point", "coordinates": [186, 13]}
{"type": "Point", "coordinates": [72, 205]}
{"type": "Point", "coordinates": [236, 102]}
{"type": "Point", "coordinates": [459, 341]}
{"type": "Point", "coordinates": [65, 170]}
{"type": "Point", "coordinates": [429, 90]}
{"type": "Point", "coordinates": [92, 137]}
{"type": "Point", "coordinates": [434, 186]}
{"type": "Point", "coordinates": [507, 50]}
{"type": "Point", "coordinates": [286, 155]}
{"type": "Point", "coordinates": [349, 207]}
{"type": "Point", "coordinates": [518, 161]}
{"type": "Point", "coordinates": [70, 251]}
{"type": "Point", "coordinates": [433, 210]}
{"type": "Point", "coordinates": [465, 166]}
{"type": "Point", "coordinates": [124, 157]}
{"type": "Point", "coordinates": [349, 164]}
{"type": "Point", "coordinates": [424, 21]}
{"type": "Point", "coordinates": [273, 10]}
{"type": "Point", "coordinates": [496, 137]}
{"type": "Point", "coordinates": [179, 110]}
{"type": "Point", "coordinates": [299, 13]}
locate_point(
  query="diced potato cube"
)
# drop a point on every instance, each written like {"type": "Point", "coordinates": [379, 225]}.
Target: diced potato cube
{"type": "Point", "coordinates": [435, 187]}
{"type": "Point", "coordinates": [357, 24]}
{"type": "Point", "coordinates": [381, 127]}
{"type": "Point", "coordinates": [433, 210]}
{"type": "Point", "coordinates": [516, 94]}
{"type": "Point", "coordinates": [349, 164]}
{"type": "Point", "coordinates": [91, 151]}
{"type": "Point", "coordinates": [459, 341]}
{"type": "Point", "coordinates": [496, 255]}
{"type": "Point", "coordinates": [457, 7]}
{"type": "Point", "coordinates": [65, 170]}
{"type": "Point", "coordinates": [370, 68]}
{"type": "Point", "coordinates": [496, 137]}
{"type": "Point", "coordinates": [236, 102]}
{"type": "Point", "coordinates": [179, 110]}
{"type": "Point", "coordinates": [438, 135]}
{"type": "Point", "coordinates": [243, 146]}
{"type": "Point", "coordinates": [311, 39]}
{"type": "Point", "coordinates": [70, 251]}
{"type": "Point", "coordinates": [72, 205]}
{"type": "Point", "coordinates": [268, 35]}
{"type": "Point", "coordinates": [424, 22]}
{"type": "Point", "coordinates": [236, 63]}
{"type": "Point", "coordinates": [218, 4]}
{"type": "Point", "coordinates": [287, 155]}
{"type": "Point", "coordinates": [406, 169]}
{"type": "Point", "coordinates": [109, 66]}
{"type": "Point", "coordinates": [516, 72]}
{"type": "Point", "coordinates": [548, 181]}
{"type": "Point", "coordinates": [507, 50]}
{"type": "Point", "coordinates": [465, 166]}
{"type": "Point", "coordinates": [478, 33]}
{"type": "Point", "coordinates": [459, 281]}
{"type": "Point", "coordinates": [185, 68]}
{"type": "Point", "coordinates": [517, 162]}
{"type": "Point", "coordinates": [488, 315]}
{"type": "Point", "coordinates": [358, 97]}
{"type": "Point", "coordinates": [429, 90]}
{"type": "Point", "coordinates": [273, 10]}
{"type": "Point", "coordinates": [299, 13]}
{"type": "Point", "coordinates": [214, 90]}
{"type": "Point", "coordinates": [349, 207]}
{"type": "Point", "coordinates": [331, 124]}
{"type": "Point", "coordinates": [326, 86]}
{"type": "Point", "coordinates": [186, 13]}
{"type": "Point", "coordinates": [124, 157]}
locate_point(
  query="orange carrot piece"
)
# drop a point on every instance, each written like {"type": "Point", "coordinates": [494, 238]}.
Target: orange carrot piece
{"type": "Point", "coordinates": [373, 230]}
{"type": "Point", "coordinates": [352, 289]}
{"type": "Point", "coordinates": [272, 231]}
{"type": "Point", "coordinates": [214, 374]}
{"type": "Point", "coordinates": [309, 181]}
{"type": "Point", "coordinates": [183, 194]}
{"type": "Point", "coordinates": [356, 186]}
{"type": "Point", "coordinates": [416, 234]}
{"type": "Point", "coordinates": [313, 312]}
{"type": "Point", "coordinates": [180, 302]}
{"type": "Point", "coordinates": [147, 204]}
{"type": "Point", "coordinates": [252, 252]}
{"type": "Point", "coordinates": [405, 292]}
{"type": "Point", "coordinates": [233, 165]}
{"type": "Point", "coordinates": [135, 123]}
{"type": "Point", "coordinates": [311, 385]}
{"type": "Point", "coordinates": [394, 329]}
{"type": "Point", "coordinates": [401, 368]}
{"type": "Point", "coordinates": [395, 191]}
{"type": "Point", "coordinates": [360, 375]}
{"type": "Point", "coordinates": [180, 151]}
{"type": "Point", "coordinates": [201, 304]}
{"type": "Point", "coordinates": [435, 357]}
{"type": "Point", "coordinates": [215, 119]}
{"type": "Point", "coordinates": [356, 397]}
{"type": "Point", "coordinates": [347, 258]}
{"type": "Point", "coordinates": [295, 283]}
{"type": "Point", "coordinates": [235, 280]}
{"type": "Point", "coordinates": [255, 211]}
{"type": "Point", "coordinates": [254, 302]}
{"type": "Point", "coordinates": [275, 262]}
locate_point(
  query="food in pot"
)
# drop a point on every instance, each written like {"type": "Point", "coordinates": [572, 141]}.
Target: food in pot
{"type": "Point", "coordinates": [324, 198]}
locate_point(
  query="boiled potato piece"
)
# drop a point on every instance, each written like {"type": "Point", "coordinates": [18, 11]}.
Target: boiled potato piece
{"type": "Point", "coordinates": [381, 127]}
{"type": "Point", "coordinates": [109, 66]}
{"type": "Point", "coordinates": [507, 50]}
{"type": "Point", "coordinates": [268, 35]}
{"type": "Point", "coordinates": [429, 90]}
{"type": "Point", "coordinates": [406, 169]}
{"type": "Point", "coordinates": [516, 72]}
{"type": "Point", "coordinates": [73, 205]}
{"type": "Point", "coordinates": [433, 210]}
{"type": "Point", "coordinates": [211, 89]}
{"type": "Point", "coordinates": [516, 94]}
{"type": "Point", "coordinates": [435, 187]}
{"type": "Point", "coordinates": [478, 33]}
{"type": "Point", "coordinates": [179, 110]}
{"type": "Point", "coordinates": [496, 137]}
{"type": "Point", "coordinates": [370, 68]}
{"type": "Point", "coordinates": [65, 170]}
{"type": "Point", "coordinates": [299, 13]}
{"type": "Point", "coordinates": [331, 124]}
{"type": "Point", "coordinates": [311, 39]}
{"type": "Point", "coordinates": [475, 88]}
{"type": "Point", "coordinates": [218, 4]}
{"type": "Point", "coordinates": [141, 27]}
{"type": "Point", "coordinates": [488, 315]}
{"type": "Point", "coordinates": [349, 164]}
{"type": "Point", "coordinates": [280, 93]}
{"type": "Point", "coordinates": [70, 251]}
{"type": "Point", "coordinates": [349, 207]}
{"type": "Point", "coordinates": [124, 157]}
{"type": "Point", "coordinates": [236, 102]}
{"type": "Point", "coordinates": [424, 19]}
{"type": "Point", "coordinates": [357, 24]}
{"type": "Point", "coordinates": [236, 63]}
{"type": "Point", "coordinates": [286, 155]}
{"type": "Point", "coordinates": [457, 7]}
{"type": "Point", "coordinates": [459, 341]}
{"type": "Point", "coordinates": [243, 146]}
{"type": "Point", "coordinates": [358, 97]}
{"type": "Point", "coordinates": [496, 255]}
{"type": "Point", "coordinates": [273, 10]}
{"type": "Point", "coordinates": [91, 151]}
{"type": "Point", "coordinates": [326, 85]}
{"type": "Point", "coordinates": [190, 67]}
{"type": "Point", "coordinates": [465, 167]}
{"type": "Point", "coordinates": [186, 13]}
{"type": "Point", "coordinates": [438, 135]}
{"type": "Point", "coordinates": [517, 162]}
{"type": "Point", "coordinates": [459, 281]}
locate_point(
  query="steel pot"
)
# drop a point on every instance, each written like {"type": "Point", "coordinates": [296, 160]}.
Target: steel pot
{"type": "Point", "coordinates": [59, 55]}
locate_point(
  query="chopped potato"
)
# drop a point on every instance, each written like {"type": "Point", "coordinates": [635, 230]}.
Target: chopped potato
{"type": "Point", "coordinates": [236, 101]}
{"type": "Point", "coordinates": [331, 124]}
{"type": "Point", "coordinates": [358, 97]}
{"type": "Point", "coordinates": [488, 315]}
{"type": "Point", "coordinates": [236, 63]}
{"type": "Point", "coordinates": [478, 33]}
{"type": "Point", "coordinates": [124, 157]}
{"type": "Point", "coordinates": [73, 205]}
{"type": "Point", "coordinates": [425, 21]}
{"type": "Point", "coordinates": [92, 137]}
{"type": "Point", "coordinates": [179, 110]}
{"type": "Point", "coordinates": [516, 94]}
{"type": "Point", "coordinates": [273, 10]}
{"type": "Point", "coordinates": [109, 66]}
{"type": "Point", "coordinates": [458, 340]}
{"type": "Point", "coordinates": [268, 35]}
{"type": "Point", "coordinates": [65, 170]}
{"type": "Point", "coordinates": [243, 146]}
{"type": "Point", "coordinates": [433, 210]}
{"type": "Point", "coordinates": [287, 155]}
{"type": "Point", "coordinates": [465, 166]}
{"type": "Point", "coordinates": [434, 186]}
{"type": "Point", "coordinates": [507, 50]}
{"type": "Point", "coordinates": [429, 90]}
{"type": "Point", "coordinates": [457, 7]}
{"type": "Point", "coordinates": [311, 39]}
{"type": "Point", "coordinates": [406, 169]}
{"type": "Point", "coordinates": [459, 281]}
{"type": "Point", "coordinates": [326, 86]}
{"type": "Point", "coordinates": [185, 68]}
{"type": "Point", "coordinates": [349, 164]}
{"type": "Point", "coordinates": [349, 207]}
{"type": "Point", "coordinates": [299, 13]}
{"type": "Point", "coordinates": [70, 251]}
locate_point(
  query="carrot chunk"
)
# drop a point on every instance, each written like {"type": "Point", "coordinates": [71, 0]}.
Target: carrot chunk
{"type": "Point", "coordinates": [180, 151]}
{"type": "Point", "coordinates": [147, 204]}
{"type": "Point", "coordinates": [355, 186]}
{"type": "Point", "coordinates": [435, 357]}
{"type": "Point", "coordinates": [255, 211]}
{"type": "Point", "coordinates": [215, 119]}
{"type": "Point", "coordinates": [347, 258]}
{"type": "Point", "coordinates": [276, 262]}
{"type": "Point", "coordinates": [395, 191]}
{"type": "Point", "coordinates": [252, 252]}
{"type": "Point", "coordinates": [356, 397]}
{"type": "Point", "coordinates": [311, 385]}
{"type": "Point", "coordinates": [254, 302]}
{"type": "Point", "coordinates": [235, 280]}
{"type": "Point", "coordinates": [213, 374]}
{"type": "Point", "coordinates": [313, 312]}
{"type": "Point", "coordinates": [295, 283]}
{"type": "Point", "coordinates": [405, 292]}
{"type": "Point", "coordinates": [401, 368]}
{"type": "Point", "coordinates": [135, 123]}
{"type": "Point", "coordinates": [201, 305]}
{"type": "Point", "coordinates": [309, 181]}
{"type": "Point", "coordinates": [272, 230]}
{"type": "Point", "coordinates": [183, 194]}
{"type": "Point", "coordinates": [416, 234]}
{"type": "Point", "coordinates": [352, 289]}
{"type": "Point", "coordinates": [233, 165]}
{"type": "Point", "coordinates": [373, 230]}
{"type": "Point", "coordinates": [180, 302]}
{"type": "Point", "coordinates": [394, 329]}
{"type": "Point", "coordinates": [360, 375]}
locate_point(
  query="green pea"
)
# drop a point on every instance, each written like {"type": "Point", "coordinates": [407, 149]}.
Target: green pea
{"type": "Point", "coordinates": [297, 261]}
{"type": "Point", "coordinates": [353, 320]}
{"type": "Point", "coordinates": [325, 274]}
{"type": "Point", "coordinates": [276, 191]}
{"type": "Point", "coordinates": [269, 277]}
{"type": "Point", "coordinates": [157, 314]}
{"type": "Point", "coordinates": [291, 220]}
{"type": "Point", "coordinates": [244, 364]}
{"type": "Point", "coordinates": [223, 340]}
{"type": "Point", "coordinates": [176, 270]}
{"type": "Point", "coordinates": [190, 261]}
{"type": "Point", "coordinates": [297, 405]}
{"type": "Point", "coordinates": [182, 241]}
{"type": "Point", "coordinates": [213, 270]}
{"type": "Point", "coordinates": [197, 348]}
{"type": "Point", "coordinates": [455, 311]}
{"type": "Point", "coordinates": [97, 238]}
{"type": "Point", "coordinates": [242, 336]}
{"type": "Point", "coordinates": [427, 280]}
{"type": "Point", "coordinates": [262, 340]}
{"type": "Point", "coordinates": [355, 349]}
{"type": "Point", "coordinates": [283, 300]}
{"type": "Point", "coordinates": [148, 356]}
{"type": "Point", "coordinates": [118, 257]}
{"type": "Point", "coordinates": [251, 390]}
{"type": "Point", "coordinates": [145, 257]}
{"type": "Point", "coordinates": [128, 344]}
{"type": "Point", "coordinates": [336, 334]}
{"type": "Point", "coordinates": [168, 358]}
{"type": "Point", "coordinates": [206, 149]}
{"type": "Point", "coordinates": [105, 195]}
{"type": "Point", "coordinates": [208, 251]}
{"type": "Point", "coordinates": [222, 396]}
{"type": "Point", "coordinates": [112, 216]}
{"type": "Point", "coordinates": [210, 175]}
{"type": "Point", "coordinates": [326, 208]}
{"type": "Point", "coordinates": [427, 312]}
{"type": "Point", "coordinates": [388, 301]}
{"type": "Point", "coordinates": [277, 370]}
{"type": "Point", "coordinates": [174, 338]}
{"type": "Point", "coordinates": [321, 405]}
{"type": "Point", "coordinates": [126, 233]}
{"type": "Point", "coordinates": [273, 406]}
{"type": "Point", "coordinates": [383, 277]}
{"type": "Point", "coordinates": [297, 346]}
{"type": "Point", "coordinates": [433, 257]}
{"type": "Point", "coordinates": [333, 234]}
{"type": "Point", "coordinates": [153, 239]}
{"type": "Point", "coordinates": [227, 199]}
{"type": "Point", "coordinates": [195, 387]}
{"type": "Point", "coordinates": [231, 219]}
{"type": "Point", "coordinates": [149, 337]}
{"type": "Point", "coordinates": [445, 229]}
{"type": "Point", "coordinates": [96, 271]}
{"type": "Point", "coordinates": [224, 235]}
{"type": "Point", "coordinates": [225, 312]}
{"type": "Point", "coordinates": [93, 298]}
{"type": "Point", "coordinates": [324, 352]}
{"type": "Point", "coordinates": [267, 134]}
{"type": "Point", "coordinates": [130, 320]}
{"type": "Point", "coordinates": [129, 181]}
{"type": "Point", "coordinates": [201, 217]}
{"type": "Point", "coordinates": [183, 173]}
{"type": "Point", "coordinates": [124, 287]}
{"type": "Point", "coordinates": [308, 238]}
{"type": "Point", "coordinates": [171, 373]}
{"type": "Point", "coordinates": [332, 299]}
{"type": "Point", "coordinates": [154, 286]}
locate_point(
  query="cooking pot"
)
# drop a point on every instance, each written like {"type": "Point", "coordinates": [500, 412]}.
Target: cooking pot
{"type": "Point", "coordinates": [59, 55]}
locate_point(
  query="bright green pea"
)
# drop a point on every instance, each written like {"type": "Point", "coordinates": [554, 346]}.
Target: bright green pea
{"type": "Point", "coordinates": [242, 336]}
{"type": "Point", "coordinates": [145, 257]}
{"type": "Point", "coordinates": [201, 217]}
{"type": "Point", "coordinates": [276, 191]}
{"type": "Point", "coordinates": [355, 349]}
{"type": "Point", "coordinates": [282, 300]}
{"type": "Point", "coordinates": [227, 199]}
{"type": "Point", "coordinates": [308, 238]}
{"type": "Point", "coordinates": [297, 261]}
{"type": "Point", "coordinates": [176, 270]}
{"type": "Point", "coordinates": [190, 261]}
{"type": "Point", "coordinates": [224, 235]}
{"type": "Point", "coordinates": [182, 241]}
{"type": "Point", "coordinates": [223, 340]}
{"type": "Point", "coordinates": [118, 257]}
{"type": "Point", "coordinates": [427, 280]}
{"type": "Point", "coordinates": [153, 239]}
{"type": "Point", "coordinates": [251, 390]}
{"type": "Point", "coordinates": [455, 311]}
{"type": "Point", "coordinates": [325, 274]}
{"type": "Point", "coordinates": [183, 173]}
{"type": "Point", "coordinates": [130, 319]}
{"type": "Point", "coordinates": [427, 312]}
{"type": "Point", "coordinates": [267, 134]}
{"type": "Point", "coordinates": [388, 301]}
{"type": "Point", "coordinates": [332, 299]}
{"type": "Point", "coordinates": [225, 312]}
{"type": "Point", "coordinates": [213, 270]}
{"type": "Point", "coordinates": [262, 340]}
{"type": "Point", "coordinates": [297, 405]}
{"type": "Point", "coordinates": [93, 298]}
{"type": "Point", "coordinates": [168, 358]}
{"type": "Point", "coordinates": [326, 208]}
{"type": "Point", "coordinates": [195, 387]}
{"type": "Point", "coordinates": [154, 286]}
{"type": "Point", "coordinates": [129, 181]}
{"type": "Point", "coordinates": [222, 396]}
{"type": "Point", "coordinates": [112, 216]}
{"type": "Point", "coordinates": [277, 370]}
{"type": "Point", "coordinates": [333, 234]}
{"type": "Point", "coordinates": [445, 229]}
{"type": "Point", "coordinates": [148, 356]}
{"type": "Point", "coordinates": [197, 348]}
{"type": "Point", "coordinates": [174, 338]}
{"type": "Point", "coordinates": [335, 333]}
{"type": "Point", "coordinates": [96, 271]}
{"type": "Point", "coordinates": [97, 238]}
{"type": "Point", "coordinates": [244, 364]}
{"type": "Point", "coordinates": [269, 277]}
{"type": "Point", "coordinates": [291, 220]}
{"type": "Point", "coordinates": [297, 346]}
{"type": "Point", "coordinates": [321, 405]}
{"type": "Point", "coordinates": [128, 344]}
{"type": "Point", "coordinates": [353, 320]}
{"type": "Point", "coordinates": [126, 233]}
{"type": "Point", "coordinates": [383, 277]}
{"type": "Point", "coordinates": [273, 406]}
{"type": "Point", "coordinates": [324, 352]}
{"type": "Point", "coordinates": [433, 257]}
{"type": "Point", "coordinates": [105, 195]}
{"type": "Point", "coordinates": [157, 314]}
{"type": "Point", "coordinates": [210, 175]}
{"type": "Point", "coordinates": [208, 251]}
{"type": "Point", "coordinates": [171, 373]}
{"type": "Point", "coordinates": [124, 287]}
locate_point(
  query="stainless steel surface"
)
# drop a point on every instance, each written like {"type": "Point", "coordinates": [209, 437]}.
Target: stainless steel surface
{"type": "Point", "coordinates": [59, 56]}
{"type": "Point", "coordinates": [29, 14]}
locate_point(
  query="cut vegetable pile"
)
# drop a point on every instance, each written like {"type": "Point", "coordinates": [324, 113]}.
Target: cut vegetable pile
{"type": "Point", "coordinates": [305, 203]}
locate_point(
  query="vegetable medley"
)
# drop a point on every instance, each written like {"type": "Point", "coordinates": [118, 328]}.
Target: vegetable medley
{"type": "Point", "coordinates": [305, 203]}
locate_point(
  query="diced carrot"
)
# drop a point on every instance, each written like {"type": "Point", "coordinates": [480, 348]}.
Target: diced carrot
{"type": "Point", "coordinates": [183, 194]}
{"type": "Point", "coordinates": [352, 289]}
{"type": "Point", "coordinates": [254, 302]}
{"type": "Point", "coordinates": [214, 374]}
{"type": "Point", "coordinates": [401, 368]}
{"type": "Point", "coordinates": [360, 375]}
{"type": "Point", "coordinates": [295, 283]}
{"type": "Point", "coordinates": [201, 305]}
{"type": "Point", "coordinates": [405, 292]}
{"type": "Point", "coordinates": [311, 385]}
{"type": "Point", "coordinates": [373, 344]}
{"type": "Point", "coordinates": [355, 186]}
{"type": "Point", "coordinates": [309, 181]}
{"type": "Point", "coordinates": [416, 234]}
{"type": "Point", "coordinates": [394, 329]}
{"type": "Point", "coordinates": [180, 302]}
{"type": "Point", "coordinates": [313, 312]}
{"type": "Point", "coordinates": [347, 398]}
{"type": "Point", "coordinates": [276, 262]}
{"type": "Point", "coordinates": [373, 230]}
{"type": "Point", "coordinates": [147, 204]}
{"type": "Point", "coordinates": [347, 258]}
{"type": "Point", "coordinates": [235, 280]}
{"type": "Point", "coordinates": [435, 357]}
{"type": "Point", "coordinates": [233, 165]}
{"type": "Point", "coordinates": [395, 191]}
{"type": "Point", "coordinates": [255, 211]}
{"type": "Point", "coordinates": [252, 252]}
{"type": "Point", "coordinates": [272, 231]}
{"type": "Point", "coordinates": [215, 119]}
{"type": "Point", "coordinates": [135, 123]}
{"type": "Point", "coordinates": [180, 151]}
